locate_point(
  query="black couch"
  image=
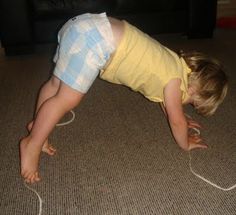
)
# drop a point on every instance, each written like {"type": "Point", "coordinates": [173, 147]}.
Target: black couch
{"type": "Point", "coordinates": [25, 23]}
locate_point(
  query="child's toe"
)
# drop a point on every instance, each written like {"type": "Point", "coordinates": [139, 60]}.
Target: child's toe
{"type": "Point", "coordinates": [37, 178]}
{"type": "Point", "coordinates": [25, 174]}
{"type": "Point", "coordinates": [27, 180]}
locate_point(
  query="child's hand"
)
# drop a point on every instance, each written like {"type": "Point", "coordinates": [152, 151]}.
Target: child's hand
{"type": "Point", "coordinates": [192, 123]}
{"type": "Point", "coordinates": [194, 138]}
{"type": "Point", "coordinates": [195, 141]}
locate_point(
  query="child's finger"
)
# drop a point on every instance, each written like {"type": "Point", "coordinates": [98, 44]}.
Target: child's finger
{"type": "Point", "coordinates": [195, 138]}
{"type": "Point", "coordinates": [199, 146]}
{"type": "Point", "coordinates": [202, 146]}
{"type": "Point", "coordinates": [194, 124]}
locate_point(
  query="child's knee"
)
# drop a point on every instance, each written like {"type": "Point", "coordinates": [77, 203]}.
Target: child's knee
{"type": "Point", "coordinates": [73, 101]}
{"type": "Point", "coordinates": [54, 81]}
{"type": "Point", "coordinates": [68, 97]}
{"type": "Point", "coordinates": [69, 101]}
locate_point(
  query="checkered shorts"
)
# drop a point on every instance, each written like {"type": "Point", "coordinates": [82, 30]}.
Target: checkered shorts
{"type": "Point", "coordinates": [85, 45]}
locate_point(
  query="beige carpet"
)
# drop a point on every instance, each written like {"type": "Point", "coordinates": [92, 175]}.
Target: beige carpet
{"type": "Point", "coordinates": [118, 156]}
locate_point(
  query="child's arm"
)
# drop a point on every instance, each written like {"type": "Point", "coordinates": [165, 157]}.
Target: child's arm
{"type": "Point", "coordinates": [163, 109]}
{"type": "Point", "coordinates": [191, 123]}
{"type": "Point", "coordinates": [176, 117]}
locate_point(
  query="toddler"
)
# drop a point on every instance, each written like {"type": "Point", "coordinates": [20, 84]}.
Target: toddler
{"type": "Point", "coordinates": [92, 45]}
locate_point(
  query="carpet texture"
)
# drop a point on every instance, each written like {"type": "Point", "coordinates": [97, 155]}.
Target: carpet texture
{"type": "Point", "coordinates": [118, 156]}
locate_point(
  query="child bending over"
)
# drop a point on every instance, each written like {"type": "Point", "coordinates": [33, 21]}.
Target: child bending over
{"type": "Point", "coordinates": [92, 44]}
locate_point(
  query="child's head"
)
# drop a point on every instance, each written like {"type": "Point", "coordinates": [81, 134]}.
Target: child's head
{"type": "Point", "coordinates": [209, 81]}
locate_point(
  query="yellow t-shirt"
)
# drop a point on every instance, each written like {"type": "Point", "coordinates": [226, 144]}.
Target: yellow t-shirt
{"type": "Point", "coordinates": [144, 65]}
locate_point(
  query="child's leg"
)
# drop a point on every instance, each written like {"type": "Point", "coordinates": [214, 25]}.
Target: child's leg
{"type": "Point", "coordinates": [48, 90]}
{"type": "Point", "coordinates": [49, 113]}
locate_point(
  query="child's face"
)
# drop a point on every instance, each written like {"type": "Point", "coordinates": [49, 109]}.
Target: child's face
{"type": "Point", "coordinates": [192, 93]}
{"type": "Point", "coordinates": [189, 101]}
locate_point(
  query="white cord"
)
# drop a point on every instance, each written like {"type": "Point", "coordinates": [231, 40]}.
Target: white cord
{"type": "Point", "coordinates": [201, 177]}
{"type": "Point", "coordinates": [33, 190]}
{"type": "Point", "coordinates": [190, 166]}
{"type": "Point", "coordinates": [69, 121]}
{"type": "Point", "coordinates": [40, 199]}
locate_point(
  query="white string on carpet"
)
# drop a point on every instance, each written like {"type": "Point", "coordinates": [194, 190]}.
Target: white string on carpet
{"type": "Point", "coordinates": [201, 177]}
{"type": "Point", "coordinates": [40, 199]}
{"type": "Point", "coordinates": [69, 121]}
{"type": "Point", "coordinates": [33, 190]}
{"type": "Point", "coordinates": [190, 166]}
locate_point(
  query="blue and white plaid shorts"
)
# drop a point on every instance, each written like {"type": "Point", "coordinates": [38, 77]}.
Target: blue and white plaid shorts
{"type": "Point", "coordinates": [85, 45]}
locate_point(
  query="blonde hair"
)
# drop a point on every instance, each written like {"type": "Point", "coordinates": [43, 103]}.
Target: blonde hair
{"type": "Point", "coordinates": [209, 80]}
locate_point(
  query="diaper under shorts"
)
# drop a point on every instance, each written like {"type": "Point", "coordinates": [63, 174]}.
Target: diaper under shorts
{"type": "Point", "coordinates": [85, 44]}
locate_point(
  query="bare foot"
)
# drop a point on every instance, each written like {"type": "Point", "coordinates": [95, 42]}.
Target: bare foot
{"type": "Point", "coordinates": [47, 148]}
{"type": "Point", "coordinates": [29, 155]}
